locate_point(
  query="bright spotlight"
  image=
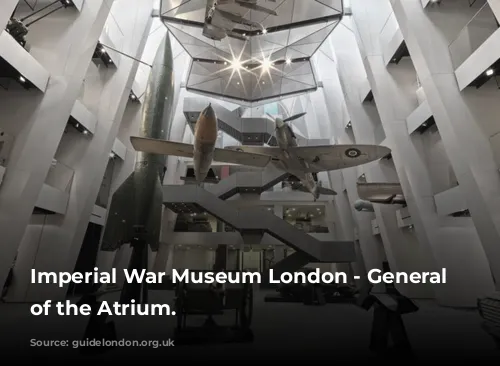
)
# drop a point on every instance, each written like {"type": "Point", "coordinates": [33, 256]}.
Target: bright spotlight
{"type": "Point", "coordinates": [236, 64]}
{"type": "Point", "coordinates": [264, 31]}
{"type": "Point", "coordinates": [22, 79]}
{"type": "Point", "coordinates": [288, 61]}
{"type": "Point", "coordinates": [266, 64]}
{"type": "Point", "coordinates": [490, 72]}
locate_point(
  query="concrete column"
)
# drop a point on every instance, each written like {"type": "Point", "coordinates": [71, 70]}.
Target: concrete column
{"type": "Point", "coordinates": [368, 128]}
{"type": "Point", "coordinates": [278, 211]}
{"type": "Point", "coordinates": [175, 170]}
{"type": "Point", "coordinates": [66, 234]}
{"type": "Point", "coordinates": [330, 219]}
{"type": "Point", "coordinates": [39, 125]}
{"type": "Point", "coordinates": [232, 259]}
{"type": "Point", "coordinates": [6, 9]}
{"type": "Point", "coordinates": [279, 252]}
{"type": "Point", "coordinates": [495, 6]}
{"type": "Point", "coordinates": [462, 130]}
{"type": "Point", "coordinates": [392, 88]}
{"type": "Point", "coordinates": [223, 175]}
{"type": "Point", "coordinates": [371, 252]}
{"type": "Point", "coordinates": [170, 260]}
{"type": "Point", "coordinates": [344, 228]}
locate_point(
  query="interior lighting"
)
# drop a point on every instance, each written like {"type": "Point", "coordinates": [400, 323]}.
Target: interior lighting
{"type": "Point", "coordinates": [266, 64]}
{"type": "Point", "coordinates": [236, 64]}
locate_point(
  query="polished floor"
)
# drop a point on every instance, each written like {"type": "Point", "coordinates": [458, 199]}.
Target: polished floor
{"type": "Point", "coordinates": [282, 332]}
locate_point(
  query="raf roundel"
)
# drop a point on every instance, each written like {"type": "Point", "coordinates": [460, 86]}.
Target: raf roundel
{"type": "Point", "coordinates": [352, 153]}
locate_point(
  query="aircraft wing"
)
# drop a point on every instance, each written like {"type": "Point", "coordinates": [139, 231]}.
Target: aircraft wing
{"type": "Point", "coordinates": [241, 158]}
{"type": "Point", "coordinates": [326, 191]}
{"type": "Point", "coordinates": [380, 192]}
{"type": "Point", "coordinates": [274, 152]}
{"type": "Point", "coordinates": [162, 147]}
{"type": "Point", "coordinates": [333, 157]}
{"type": "Point", "coordinates": [321, 190]}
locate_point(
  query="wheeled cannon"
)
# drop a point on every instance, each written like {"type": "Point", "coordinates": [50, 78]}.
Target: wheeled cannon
{"type": "Point", "coordinates": [211, 300]}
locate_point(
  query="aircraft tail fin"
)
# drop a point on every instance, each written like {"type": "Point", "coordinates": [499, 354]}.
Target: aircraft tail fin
{"type": "Point", "coordinates": [325, 191]}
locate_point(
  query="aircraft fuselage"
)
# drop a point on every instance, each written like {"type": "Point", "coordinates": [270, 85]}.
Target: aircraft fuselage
{"type": "Point", "coordinates": [291, 163]}
{"type": "Point", "coordinates": [205, 138]}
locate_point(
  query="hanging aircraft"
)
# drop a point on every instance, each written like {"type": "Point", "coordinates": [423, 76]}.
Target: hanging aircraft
{"type": "Point", "coordinates": [300, 161]}
{"type": "Point", "coordinates": [222, 16]}
{"type": "Point", "coordinates": [378, 193]}
{"type": "Point", "coordinates": [203, 151]}
{"type": "Point", "coordinates": [303, 161]}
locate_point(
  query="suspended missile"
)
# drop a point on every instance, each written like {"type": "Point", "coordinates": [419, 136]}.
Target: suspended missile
{"type": "Point", "coordinates": [136, 207]}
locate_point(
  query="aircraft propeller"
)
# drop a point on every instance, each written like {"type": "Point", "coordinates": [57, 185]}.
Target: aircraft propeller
{"type": "Point", "coordinates": [289, 119]}
{"type": "Point", "coordinates": [293, 118]}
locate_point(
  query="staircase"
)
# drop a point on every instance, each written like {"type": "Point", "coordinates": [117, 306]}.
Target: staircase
{"type": "Point", "coordinates": [258, 220]}
{"type": "Point", "coordinates": [247, 182]}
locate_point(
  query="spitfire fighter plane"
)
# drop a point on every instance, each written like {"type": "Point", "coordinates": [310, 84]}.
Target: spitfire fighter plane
{"type": "Point", "coordinates": [304, 161]}
{"type": "Point", "coordinates": [300, 161]}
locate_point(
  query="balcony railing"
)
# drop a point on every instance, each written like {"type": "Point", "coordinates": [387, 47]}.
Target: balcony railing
{"type": "Point", "coordinates": [482, 25]}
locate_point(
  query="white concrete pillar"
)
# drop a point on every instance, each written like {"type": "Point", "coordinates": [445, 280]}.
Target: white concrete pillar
{"type": "Point", "coordinates": [67, 234]}
{"type": "Point", "coordinates": [344, 227]}
{"type": "Point", "coordinates": [495, 6]}
{"type": "Point", "coordinates": [330, 219]}
{"type": "Point", "coordinates": [6, 9]}
{"type": "Point", "coordinates": [467, 147]}
{"type": "Point", "coordinates": [278, 211]}
{"type": "Point", "coordinates": [395, 100]}
{"type": "Point", "coordinates": [40, 123]}
{"type": "Point", "coordinates": [170, 260]}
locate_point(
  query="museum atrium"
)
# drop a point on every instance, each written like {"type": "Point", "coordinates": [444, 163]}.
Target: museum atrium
{"type": "Point", "coordinates": [350, 136]}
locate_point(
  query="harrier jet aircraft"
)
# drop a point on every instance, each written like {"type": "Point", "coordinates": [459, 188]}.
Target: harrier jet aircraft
{"type": "Point", "coordinates": [300, 161]}
{"type": "Point", "coordinates": [222, 16]}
